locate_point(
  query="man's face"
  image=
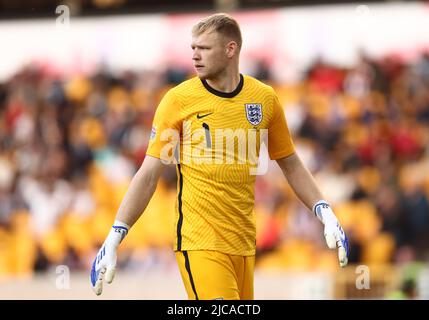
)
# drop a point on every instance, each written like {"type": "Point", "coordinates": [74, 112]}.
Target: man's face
{"type": "Point", "coordinates": [210, 56]}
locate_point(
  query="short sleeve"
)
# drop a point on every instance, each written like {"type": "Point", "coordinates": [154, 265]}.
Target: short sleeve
{"type": "Point", "coordinates": [280, 142]}
{"type": "Point", "coordinates": [166, 126]}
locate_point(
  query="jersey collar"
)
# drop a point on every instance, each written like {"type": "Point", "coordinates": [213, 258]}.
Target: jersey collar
{"type": "Point", "coordinates": [225, 94]}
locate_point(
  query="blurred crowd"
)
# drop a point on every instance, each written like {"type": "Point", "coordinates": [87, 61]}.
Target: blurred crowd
{"type": "Point", "coordinates": [69, 147]}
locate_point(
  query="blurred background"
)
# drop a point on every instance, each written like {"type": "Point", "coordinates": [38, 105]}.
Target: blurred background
{"type": "Point", "coordinates": [79, 85]}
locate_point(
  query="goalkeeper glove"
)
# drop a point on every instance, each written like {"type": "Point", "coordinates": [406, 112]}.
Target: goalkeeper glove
{"type": "Point", "coordinates": [334, 234]}
{"type": "Point", "coordinates": [105, 261]}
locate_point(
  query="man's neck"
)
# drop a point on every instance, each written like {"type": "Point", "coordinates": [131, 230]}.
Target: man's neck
{"type": "Point", "coordinates": [225, 82]}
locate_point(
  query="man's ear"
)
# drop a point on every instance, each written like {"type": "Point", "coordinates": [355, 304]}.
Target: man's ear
{"type": "Point", "coordinates": [231, 49]}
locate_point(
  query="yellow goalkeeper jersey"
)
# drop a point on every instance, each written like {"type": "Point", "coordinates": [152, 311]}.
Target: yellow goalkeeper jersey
{"type": "Point", "coordinates": [214, 138]}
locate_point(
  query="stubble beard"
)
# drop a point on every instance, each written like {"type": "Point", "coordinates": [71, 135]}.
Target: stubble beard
{"type": "Point", "coordinates": [212, 74]}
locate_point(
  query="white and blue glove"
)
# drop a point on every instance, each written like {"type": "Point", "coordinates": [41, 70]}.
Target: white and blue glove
{"type": "Point", "coordinates": [104, 264]}
{"type": "Point", "coordinates": [334, 234]}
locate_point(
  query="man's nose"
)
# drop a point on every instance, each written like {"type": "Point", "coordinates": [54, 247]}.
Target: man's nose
{"type": "Point", "coordinates": [196, 56]}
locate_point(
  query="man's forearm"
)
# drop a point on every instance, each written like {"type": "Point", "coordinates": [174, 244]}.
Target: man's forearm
{"type": "Point", "coordinates": [301, 181]}
{"type": "Point", "coordinates": [135, 201]}
{"type": "Point", "coordinates": [138, 195]}
{"type": "Point", "coordinates": [304, 185]}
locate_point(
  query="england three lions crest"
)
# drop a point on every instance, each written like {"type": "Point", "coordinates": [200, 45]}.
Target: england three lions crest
{"type": "Point", "coordinates": [254, 113]}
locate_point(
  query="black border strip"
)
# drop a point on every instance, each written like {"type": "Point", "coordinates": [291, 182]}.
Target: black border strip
{"type": "Point", "coordinates": [165, 309]}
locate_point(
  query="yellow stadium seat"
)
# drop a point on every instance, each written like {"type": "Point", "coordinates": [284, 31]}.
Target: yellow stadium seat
{"type": "Point", "coordinates": [155, 228]}
{"type": "Point", "coordinates": [23, 245]}
{"type": "Point", "coordinates": [6, 256]}
{"type": "Point", "coordinates": [101, 189]}
{"type": "Point", "coordinates": [54, 246]}
{"type": "Point", "coordinates": [77, 232]}
{"type": "Point", "coordinates": [379, 250]}
{"type": "Point", "coordinates": [292, 255]}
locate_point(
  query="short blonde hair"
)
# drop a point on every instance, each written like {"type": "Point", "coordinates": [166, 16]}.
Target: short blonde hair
{"type": "Point", "coordinates": [222, 23]}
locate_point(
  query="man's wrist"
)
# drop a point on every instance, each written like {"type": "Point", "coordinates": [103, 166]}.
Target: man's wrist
{"type": "Point", "coordinates": [117, 233]}
{"type": "Point", "coordinates": [120, 224]}
{"type": "Point", "coordinates": [323, 212]}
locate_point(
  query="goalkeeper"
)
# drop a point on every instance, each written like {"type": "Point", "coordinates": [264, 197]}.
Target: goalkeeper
{"type": "Point", "coordinates": [215, 228]}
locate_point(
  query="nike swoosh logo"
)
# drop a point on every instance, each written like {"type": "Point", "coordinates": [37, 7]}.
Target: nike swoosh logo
{"type": "Point", "coordinates": [203, 115]}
